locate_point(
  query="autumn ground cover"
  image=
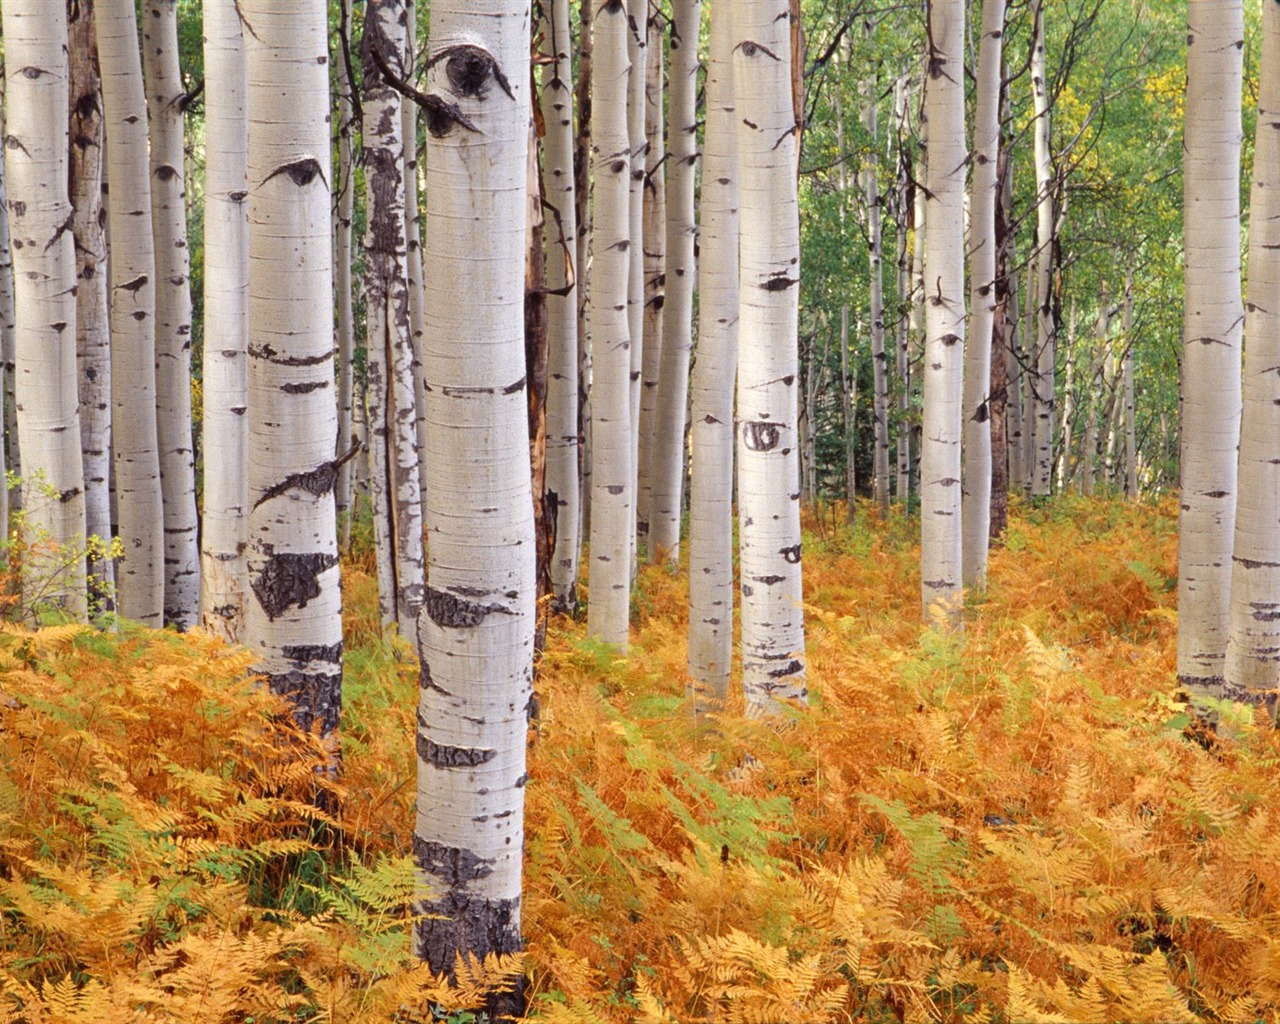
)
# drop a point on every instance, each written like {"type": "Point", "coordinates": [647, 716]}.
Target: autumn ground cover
{"type": "Point", "coordinates": [1010, 826]}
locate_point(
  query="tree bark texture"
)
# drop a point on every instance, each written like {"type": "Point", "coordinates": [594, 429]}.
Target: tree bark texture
{"type": "Point", "coordinates": [1044, 352]}
{"type": "Point", "coordinates": [637, 122]}
{"type": "Point", "coordinates": [611, 477]}
{"type": "Point", "coordinates": [344, 494]}
{"type": "Point", "coordinates": [773, 655]}
{"type": "Point", "coordinates": [36, 171]}
{"type": "Point", "coordinates": [712, 385]}
{"type": "Point", "coordinates": [224, 578]}
{"type": "Point", "coordinates": [294, 617]}
{"type": "Point", "coordinates": [875, 273]}
{"type": "Point", "coordinates": [8, 436]}
{"type": "Point", "coordinates": [1213, 327]}
{"type": "Point", "coordinates": [940, 507]}
{"type": "Point", "coordinates": [476, 631]}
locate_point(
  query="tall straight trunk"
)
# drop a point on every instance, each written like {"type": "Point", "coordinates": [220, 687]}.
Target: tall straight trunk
{"type": "Point", "coordinates": [136, 460]}
{"type": "Point", "coordinates": [1030, 371]}
{"type": "Point", "coordinates": [677, 326]}
{"type": "Point", "coordinates": [637, 118]}
{"type": "Point", "coordinates": [93, 340]}
{"type": "Point", "coordinates": [773, 656]}
{"type": "Point", "coordinates": [536, 347]}
{"type": "Point", "coordinates": [395, 483]}
{"type": "Point", "coordinates": [902, 481]}
{"type": "Point", "coordinates": [848, 366]}
{"type": "Point", "coordinates": [1062, 460]}
{"type": "Point", "coordinates": [714, 373]}
{"type": "Point", "coordinates": [476, 631]}
{"type": "Point", "coordinates": [582, 186]}
{"type": "Point", "coordinates": [344, 492]}
{"type": "Point", "coordinates": [165, 102]}
{"type": "Point", "coordinates": [413, 243]}
{"type": "Point", "coordinates": [655, 271]}
{"type": "Point", "coordinates": [1006, 408]}
{"type": "Point", "coordinates": [294, 617]}
{"type": "Point", "coordinates": [983, 300]}
{"type": "Point", "coordinates": [940, 512]}
{"type": "Point", "coordinates": [1045, 349]}
{"type": "Point", "coordinates": [8, 437]}
{"type": "Point", "coordinates": [875, 261]}
{"type": "Point", "coordinates": [1253, 644]}
{"type": "Point", "coordinates": [611, 478]}
{"type": "Point", "coordinates": [36, 168]}
{"type": "Point", "coordinates": [916, 326]}
{"type": "Point", "coordinates": [1211, 340]}
{"type": "Point", "coordinates": [225, 533]}
{"type": "Point", "coordinates": [562, 300]}
{"type": "Point", "coordinates": [1130, 396]}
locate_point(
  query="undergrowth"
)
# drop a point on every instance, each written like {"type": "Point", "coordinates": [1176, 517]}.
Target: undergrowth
{"type": "Point", "coordinates": [1010, 826]}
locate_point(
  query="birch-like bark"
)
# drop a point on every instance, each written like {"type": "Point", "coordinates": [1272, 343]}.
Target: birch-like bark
{"type": "Point", "coordinates": [902, 481]}
{"type": "Point", "coordinates": [1030, 370]}
{"type": "Point", "coordinates": [1045, 350]}
{"type": "Point", "coordinates": [582, 187]}
{"type": "Point", "coordinates": [1130, 396]}
{"type": "Point", "coordinates": [773, 656]}
{"type": "Point", "coordinates": [413, 247]}
{"type": "Point", "coordinates": [1211, 340]}
{"type": "Point", "coordinates": [712, 385]}
{"type": "Point", "coordinates": [135, 459]}
{"type": "Point", "coordinates": [655, 270]}
{"type": "Point", "coordinates": [875, 273]}
{"type": "Point", "coordinates": [942, 598]}
{"type": "Point", "coordinates": [916, 326]}
{"type": "Point", "coordinates": [165, 97]}
{"type": "Point", "coordinates": [984, 190]}
{"type": "Point", "coordinates": [611, 478]}
{"type": "Point", "coordinates": [677, 327]}
{"type": "Point", "coordinates": [344, 493]}
{"type": "Point", "coordinates": [294, 618]}
{"type": "Point", "coordinates": [36, 169]}
{"type": "Point", "coordinates": [562, 299]}
{"type": "Point", "coordinates": [224, 581]}
{"type": "Point", "coordinates": [93, 340]}
{"type": "Point", "coordinates": [395, 484]}
{"type": "Point", "coordinates": [476, 631]}
{"type": "Point", "coordinates": [1253, 643]}
{"type": "Point", "coordinates": [1006, 411]}
{"type": "Point", "coordinates": [637, 119]}
{"type": "Point", "coordinates": [8, 437]}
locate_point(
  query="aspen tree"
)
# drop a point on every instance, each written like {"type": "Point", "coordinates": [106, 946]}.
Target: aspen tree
{"type": "Point", "coordinates": [393, 433]}
{"type": "Point", "coordinates": [848, 369]}
{"type": "Point", "coordinates": [1045, 350]}
{"type": "Point", "coordinates": [562, 299]}
{"type": "Point", "coordinates": [637, 122]}
{"type": "Point", "coordinates": [6, 338]}
{"type": "Point", "coordinates": [36, 168]}
{"type": "Point", "coordinates": [902, 479]}
{"type": "Point", "coordinates": [294, 616]}
{"type": "Point", "coordinates": [165, 102]}
{"type": "Point", "coordinates": [655, 269]}
{"type": "Point", "coordinates": [413, 246]}
{"type": "Point", "coordinates": [1253, 644]}
{"type": "Point", "coordinates": [875, 260]}
{"type": "Point", "coordinates": [476, 630]}
{"type": "Point", "coordinates": [677, 327]}
{"type": "Point", "coordinates": [773, 667]}
{"type": "Point", "coordinates": [711, 387]}
{"type": "Point", "coordinates": [611, 477]}
{"type": "Point", "coordinates": [344, 492]}
{"type": "Point", "coordinates": [224, 581]}
{"type": "Point", "coordinates": [940, 511]}
{"type": "Point", "coordinates": [1214, 317]}
{"type": "Point", "coordinates": [93, 340]}
{"type": "Point", "coordinates": [1130, 397]}
{"type": "Point", "coordinates": [135, 459]}
{"type": "Point", "coordinates": [976, 501]}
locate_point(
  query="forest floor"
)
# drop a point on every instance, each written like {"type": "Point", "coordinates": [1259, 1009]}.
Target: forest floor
{"type": "Point", "coordinates": [1012, 825]}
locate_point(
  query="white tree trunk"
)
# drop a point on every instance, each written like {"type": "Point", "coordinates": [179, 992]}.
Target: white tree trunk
{"type": "Point", "coordinates": [6, 340]}
{"type": "Point", "coordinates": [655, 271]}
{"type": "Point", "coordinates": [477, 628]}
{"type": "Point", "coordinates": [611, 478]}
{"type": "Point", "coordinates": [165, 93]}
{"type": "Point", "coordinates": [1253, 644]}
{"type": "Point", "coordinates": [224, 578]}
{"type": "Point", "coordinates": [902, 481]}
{"type": "Point", "coordinates": [1130, 397]}
{"type": "Point", "coordinates": [1045, 350]}
{"type": "Point", "coordinates": [714, 374]}
{"type": "Point", "coordinates": [637, 122]}
{"type": "Point", "coordinates": [562, 299]}
{"type": "Point", "coordinates": [1030, 329]}
{"type": "Point", "coordinates": [93, 340]}
{"type": "Point", "coordinates": [875, 261]}
{"type": "Point", "coordinates": [413, 245]}
{"type": "Point", "coordinates": [677, 327]}
{"type": "Point", "coordinates": [344, 494]}
{"type": "Point", "coordinates": [136, 460]}
{"type": "Point", "coordinates": [1211, 340]}
{"type": "Point", "coordinates": [940, 515]}
{"type": "Point", "coordinates": [294, 619]}
{"type": "Point", "coordinates": [36, 168]}
{"type": "Point", "coordinates": [976, 502]}
{"type": "Point", "coordinates": [773, 656]}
